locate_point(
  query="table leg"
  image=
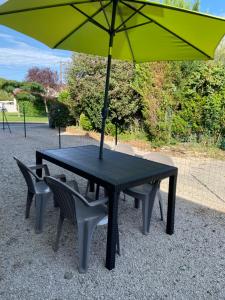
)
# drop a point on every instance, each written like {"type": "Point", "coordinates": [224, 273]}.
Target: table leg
{"type": "Point", "coordinates": [112, 230]}
{"type": "Point", "coordinates": [171, 204]}
{"type": "Point", "coordinates": [92, 187]}
{"type": "Point", "coordinates": [38, 162]}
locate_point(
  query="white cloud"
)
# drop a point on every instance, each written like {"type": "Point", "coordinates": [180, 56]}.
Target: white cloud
{"type": "Point", "coordinates": [19, 53]}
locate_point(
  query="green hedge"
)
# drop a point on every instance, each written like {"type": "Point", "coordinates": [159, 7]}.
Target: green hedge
{"type": "Point", "coordinates": [34, 108]}
{"type": "Point", "coordinates": [59, 115]}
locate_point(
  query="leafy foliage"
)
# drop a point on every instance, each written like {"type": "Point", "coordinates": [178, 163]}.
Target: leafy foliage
{"type": "Point", "coordinates": [44, 76]}
{"type": "Point", "coordinates": [31, 93]}
{"type": "Point", "coordinates": [86, 80]}
{"type": "Point", "coordinates": [187, 4]}
{"type": "Point", "coordinates": [5, 96]}
{"type": "Point", "coordinates": [59, 114]}
{"type": "Point", "coordinates": [85, 123]}
{"type": "Point", "coordinates": [202, 100]}
{"type": "Point", "coordinates": [169, 100]}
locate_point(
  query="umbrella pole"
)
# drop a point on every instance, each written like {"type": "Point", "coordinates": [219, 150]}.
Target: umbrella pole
{"type": "Point", "coordinates": [106, 100]}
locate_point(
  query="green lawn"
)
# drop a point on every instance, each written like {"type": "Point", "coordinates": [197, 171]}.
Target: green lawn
{"type": "Point", "coordinates": [13, 117]}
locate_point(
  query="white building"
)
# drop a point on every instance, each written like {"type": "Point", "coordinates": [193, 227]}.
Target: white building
{"type": "Point", "coordinates": [9, 106]}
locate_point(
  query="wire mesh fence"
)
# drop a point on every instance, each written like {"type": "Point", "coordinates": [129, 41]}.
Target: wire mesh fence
{"type": "Point", "coordinates": [200, 179]}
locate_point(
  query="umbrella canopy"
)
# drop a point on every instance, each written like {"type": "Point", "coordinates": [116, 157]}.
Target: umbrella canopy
{"type": "Point", "coordinates": [134, 30]}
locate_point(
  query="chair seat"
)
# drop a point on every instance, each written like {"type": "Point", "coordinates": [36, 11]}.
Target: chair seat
{"type": "Point", "coordinates": [88, 213]}
{"type": "Point", "coordinates": [42, 188]}
{"type": "Point", "coordinates": [139, 191]}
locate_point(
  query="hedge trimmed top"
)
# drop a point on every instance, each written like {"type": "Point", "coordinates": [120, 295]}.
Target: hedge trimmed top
{"type": "Point", "coordinates": [144, 31]}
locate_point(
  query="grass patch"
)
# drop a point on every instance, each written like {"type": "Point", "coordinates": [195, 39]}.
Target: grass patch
{"type": "Point", "coordinates": [140, 140]}
{"type": "Point", "coordinates": [141, 136]}
{"type": "Point", "coordinates": [13, 117]}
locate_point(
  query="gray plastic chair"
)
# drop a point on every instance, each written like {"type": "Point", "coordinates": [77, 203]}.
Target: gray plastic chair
{"type": "Point", "coordinates": [37, 188]}
{"type": "Point", "coordinates": [87, 215]}
{"type": "Point", "coordinates": [148, 192]}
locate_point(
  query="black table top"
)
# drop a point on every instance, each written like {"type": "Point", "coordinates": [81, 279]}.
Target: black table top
{"type": "Point", "coordinates": [116, 169]}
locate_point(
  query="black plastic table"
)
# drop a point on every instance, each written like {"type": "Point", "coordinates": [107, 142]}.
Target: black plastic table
{"type": "Point", "coordinates": [116, 172]}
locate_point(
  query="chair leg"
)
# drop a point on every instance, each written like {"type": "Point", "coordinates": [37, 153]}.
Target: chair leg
{"type": "Point", "coordinates": [87, 188]}
{"type": "Point", "coordinates": [40, 205]}
{"type": "Point", "coordinates": [30, 197]}
{"type": "Point", "coordinates": [117, 241]}
{"type": "Point", "coordinates": [106, 194]}
{"type": "Point", "coordinates": [97, 192]}
{"type": "Point", "coordinates": [145, 205]}
{"type": "Point", "coordinates": [160, 204]}
{"type": "Point", "coordinates": [151, 200]}
{"type": "Point", "coordinates": [150, 208]}
{"type": "Point", "coordinates": [59, 231]}
{"type": "Point", "coordinates": [136, 203]}
{"type": "Point", "coordinates": [85, 231]}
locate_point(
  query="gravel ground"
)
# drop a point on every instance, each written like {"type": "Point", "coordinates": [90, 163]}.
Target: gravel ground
{"type": "Point", "coordinates": [188, 265]}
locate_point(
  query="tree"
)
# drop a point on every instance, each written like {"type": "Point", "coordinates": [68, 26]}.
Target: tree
{"type": "Point", "coordinates": [26, 92]}
{"type": "Point", "coordinates": [220, 52]}
{"type": "Point", "coordinates": [44, 76]}
{"type": "Point", "coordinates": [188, 4]}
{"type": "Point", "coordinates": [2, 80]}
{"type": "Point", "coordinates": [48, 79]}
{"type": "Point", "coordinates": [86, 81]}
{"type": "Point", "coordinates": [159, 84]}
{"type": "Point", "coordinates": [202, 100]}
{"type": "Point", "coordinates": [5, 96]}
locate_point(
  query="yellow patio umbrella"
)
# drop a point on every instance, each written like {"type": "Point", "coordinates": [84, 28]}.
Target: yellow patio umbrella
{"type": "Point", "coordinates": [134, 30]}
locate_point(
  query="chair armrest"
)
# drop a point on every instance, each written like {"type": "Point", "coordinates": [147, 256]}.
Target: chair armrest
{"type": "Point", "coordinates": [38, 167]}
{"type": "Point", "coordinates": [85, 200]}
{"type": "Point", "coordinates": [61, 177]}
{"type": "Point", "coordinates": [34, 174]}
{"type": "Point", "coordinates": [98, 202]}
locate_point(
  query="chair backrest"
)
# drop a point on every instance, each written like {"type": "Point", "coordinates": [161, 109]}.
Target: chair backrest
{"type": "Point", "coordinates": [124, 148]}
{"type": "Point", "coordinates": [158, 157]}
{"type": "Point", "coordinates": [27, 174]}
{"type": "Point", "coordinates": [65, 196]}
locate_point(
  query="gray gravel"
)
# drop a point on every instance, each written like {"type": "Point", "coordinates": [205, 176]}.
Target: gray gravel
{"type": "Point", "coordinates": [188, 265]}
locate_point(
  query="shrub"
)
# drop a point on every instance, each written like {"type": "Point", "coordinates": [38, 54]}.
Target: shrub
{"type": "Point", "coordinates": [85, 123]}
{"type": "Point", "coordinates": [180, 128]}
{"type": "Point", "coordinates": [222, 144]}
{"type": "Point", "coordinates": [110, 129]}
{"type": "Point", "coordinates": [86, 82]}
{"type": "Point", "coordinates": [32, 109]}
{"type": "Point", "coordinates": [59, 115]}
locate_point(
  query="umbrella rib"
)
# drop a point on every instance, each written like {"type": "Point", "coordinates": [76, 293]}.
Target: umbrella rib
{"type": "Point", "coordinates": [78, 27]}
{"type": "Point", "coordinates": [131, 27]}
{"type": "Point", "coordinates": [106, 18]}
{"type": "Point", "coordinates": [127, 36]}
{"type": "Point", "coordinates": [47, 6]}
{"type": "Point", "coordinates": [131, 16]}
{"type": "Point", "coordinates": [91, 18]}
{"type": "Point", "coordinates": [171, 32]}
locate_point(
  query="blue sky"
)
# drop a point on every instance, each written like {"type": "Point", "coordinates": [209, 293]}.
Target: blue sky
{"type": "Point", "coordinates": [18, 52]}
